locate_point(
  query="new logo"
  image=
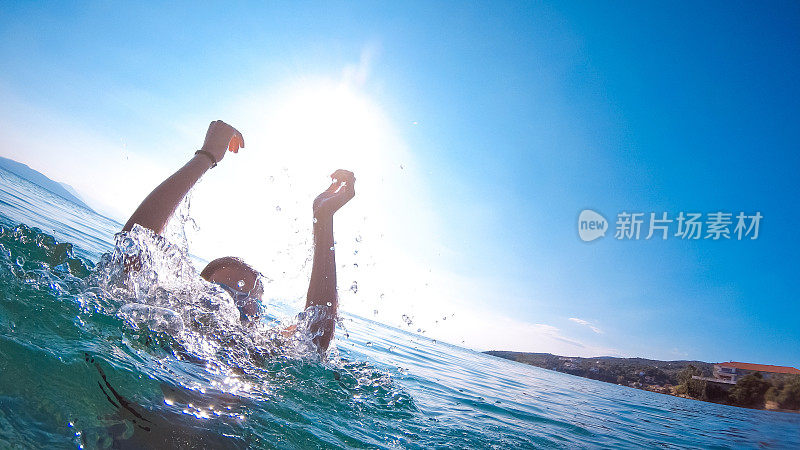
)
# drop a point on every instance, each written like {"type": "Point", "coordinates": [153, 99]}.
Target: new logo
{"type": "Point", "coordinates": [591, 225]}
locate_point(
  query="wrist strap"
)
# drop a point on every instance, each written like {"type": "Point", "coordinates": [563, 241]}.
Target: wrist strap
{"type": "Point", "coordinates": [209, 155]}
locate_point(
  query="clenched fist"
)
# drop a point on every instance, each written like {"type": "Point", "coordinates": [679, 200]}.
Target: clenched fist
{"type": "Point", "coordinates": [220, 137]}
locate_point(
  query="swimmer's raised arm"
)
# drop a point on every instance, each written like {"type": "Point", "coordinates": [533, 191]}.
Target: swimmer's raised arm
{"type": "Point", "coordinates": [157, 208]}
{"type": "Point", "coordinates": [322, 287]}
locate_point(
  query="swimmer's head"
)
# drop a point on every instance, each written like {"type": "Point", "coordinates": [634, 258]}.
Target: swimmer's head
{"type": "Point", "coordinates": [238, 276]}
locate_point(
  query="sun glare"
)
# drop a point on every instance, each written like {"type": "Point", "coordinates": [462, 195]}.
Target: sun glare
{"type": "Point", "coordinates": [326, 125]}
{"type": "Point", "coordinates": [296, 136]}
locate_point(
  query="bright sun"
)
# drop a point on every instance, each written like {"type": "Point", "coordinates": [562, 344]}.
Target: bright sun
{"type": "Point", "coordinates": [326, 125]}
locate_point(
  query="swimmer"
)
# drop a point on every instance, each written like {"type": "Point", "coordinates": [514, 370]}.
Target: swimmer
{"type": "Point", "coordinates": [234, 275]}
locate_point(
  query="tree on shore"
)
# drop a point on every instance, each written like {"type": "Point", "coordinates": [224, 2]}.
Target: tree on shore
{"type": "Point", "coordinates": [789, 396]}
{"type": "Point", "coordinates": [689, 386]}
{"type": "Point", "coordinates": [750, 391]}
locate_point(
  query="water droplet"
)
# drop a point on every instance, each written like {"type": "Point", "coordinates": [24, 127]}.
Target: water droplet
{"type": "Point", "coordinates": [407, 320]}
{"type": "Point", "coordinates": [271, 179]}
{"type": "Point", "coordinates": [315, 220]}
{"type": "Point", "coordinates": [240, 283]}
{"type": "Point", "coordinates": [20, 261]}
{"type": "Point", "coordinates": [128, 246]}
{"type": "Point", "coordinates": [401, 167]}
{"type": "Point", "coordinates": [278, 208]}
{"type": "Point", "coordinates": [358, 238]}
{"type": "Point", "coordinates": [374, 312]}
{"type": "Point", "coordinates": [355, 265]}
{"type": "Point", "coordinates": [329, 304]}
{"type": "Point", "coordinates": [369, 344]}
{"type": "Point", "coordinates": [331, 248]}
{"type": "Point", "coordinates": [354, 287]}
{"type": "Point", "coordinates": [355, 252]}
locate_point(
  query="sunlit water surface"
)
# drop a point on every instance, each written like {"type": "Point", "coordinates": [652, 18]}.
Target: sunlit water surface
{"type": "Point", "coordinates": [93, 357]}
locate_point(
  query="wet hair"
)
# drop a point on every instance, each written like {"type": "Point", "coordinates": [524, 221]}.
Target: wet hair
{"type": "Point", "coordinates": [228, 262]}
{"type": "Point", "coordinates": [248, 306]}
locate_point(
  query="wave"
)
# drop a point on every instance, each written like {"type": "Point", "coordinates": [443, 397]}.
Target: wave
{"type": "Point", "coordinates": [158, 356]}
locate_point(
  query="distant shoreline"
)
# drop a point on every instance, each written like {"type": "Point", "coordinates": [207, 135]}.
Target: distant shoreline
{"type": "Point", "coordinates": [662, 377]}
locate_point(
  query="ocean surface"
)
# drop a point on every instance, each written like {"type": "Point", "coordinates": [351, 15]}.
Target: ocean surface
{"type": "Point", "coordinates": [92, 357]}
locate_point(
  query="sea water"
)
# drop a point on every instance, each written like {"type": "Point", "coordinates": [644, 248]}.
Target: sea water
{"type": "Point", "coordinates": [93, 358]}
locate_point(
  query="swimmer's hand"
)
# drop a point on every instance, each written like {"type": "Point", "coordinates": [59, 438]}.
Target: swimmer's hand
{"type": "Point", "coordinates": [220, 137]}
{"type": "Point", "coordinates": [341, 191]}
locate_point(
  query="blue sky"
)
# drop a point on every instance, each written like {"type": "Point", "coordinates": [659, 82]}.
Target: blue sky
{"type": "Point", "coordinates": [512, 118]}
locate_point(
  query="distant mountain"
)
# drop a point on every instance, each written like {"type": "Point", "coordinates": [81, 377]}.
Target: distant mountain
{"type": "Point", "coordinates": [62, 190]}
{"type": "Point", "coordinates": [72, 191]}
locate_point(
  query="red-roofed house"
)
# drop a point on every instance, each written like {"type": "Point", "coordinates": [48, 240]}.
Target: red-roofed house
{"type": "Point", "coordinates": [732, 371]}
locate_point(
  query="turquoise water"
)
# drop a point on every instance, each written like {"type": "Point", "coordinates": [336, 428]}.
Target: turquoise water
{"type": "Point", "coordinates": [91, 358]}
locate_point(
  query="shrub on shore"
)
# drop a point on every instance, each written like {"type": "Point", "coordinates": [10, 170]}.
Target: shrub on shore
{"type": "Point", "coordinates": [750, 391]}
{"type": "Point", "coordinates": [789, 396]}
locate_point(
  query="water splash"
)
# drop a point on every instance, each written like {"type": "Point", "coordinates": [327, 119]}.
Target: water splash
{"type": "Point", "coordinates": [143, 313]}
{"type": "Point", "coordinates": [153, 317]}
{"type": "Point", "coordinates": [155, 284]}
